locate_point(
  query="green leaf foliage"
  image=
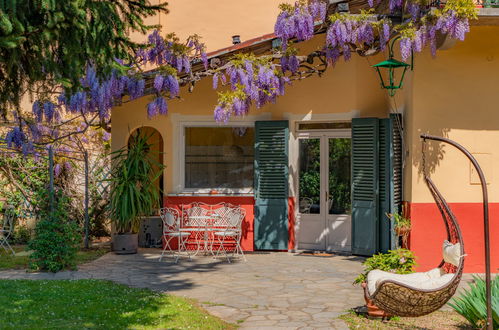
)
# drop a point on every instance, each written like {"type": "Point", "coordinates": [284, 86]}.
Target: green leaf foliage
{"type": "Point", "coordinates": [399, 261]}
{"type": "Point", "coordinates": [133, 189]}
{"type": "Point", "coordinates": [46, 42]}
{"type": "Point", "coordinates": [471, 303]}
{"type": "Point", "coordinates": [57, 237]}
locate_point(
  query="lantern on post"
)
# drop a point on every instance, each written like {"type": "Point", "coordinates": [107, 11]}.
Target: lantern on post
{"type": "Point", "coordinates": [392, 65]}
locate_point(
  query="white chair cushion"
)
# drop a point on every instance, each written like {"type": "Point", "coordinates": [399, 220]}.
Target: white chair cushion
{"type": "Point", "coordinates": [451, 253]}
{"type": "Point", "coordinates": [426, 280]}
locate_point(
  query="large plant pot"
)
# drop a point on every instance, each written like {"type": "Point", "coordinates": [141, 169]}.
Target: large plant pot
{"type": "Point", "coordinates": [125, 243]}
{"type": "Point", "coordinates": [373, 310]}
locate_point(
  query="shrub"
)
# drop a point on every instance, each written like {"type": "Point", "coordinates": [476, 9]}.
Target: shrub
{"type": "Point", "coordinates": [400, 261]}
{"type": "Point", "coordinates": [57, 238]}
{"type": "Point", "coordinates": [21, 235]}
{"type": "Point", "coordinates": [472, 303]}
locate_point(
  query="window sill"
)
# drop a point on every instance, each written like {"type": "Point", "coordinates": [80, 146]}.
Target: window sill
{"type": "Point", "coordinates": [187, 194]}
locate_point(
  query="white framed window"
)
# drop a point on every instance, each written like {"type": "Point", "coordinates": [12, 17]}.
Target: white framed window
{"type": "Point", "coordinates": [216, 157]}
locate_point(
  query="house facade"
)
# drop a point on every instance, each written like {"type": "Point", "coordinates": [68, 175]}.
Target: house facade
{"type": "Point", "coordinates": [319, 169]}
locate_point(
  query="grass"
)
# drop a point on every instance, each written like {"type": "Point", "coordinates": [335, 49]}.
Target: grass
{"type": "Point", "coordinates": [8, 261]}
{"type": "Point", "coordinates": [441, 320]}
{"type": "Point", "coordinates": [95, 304]}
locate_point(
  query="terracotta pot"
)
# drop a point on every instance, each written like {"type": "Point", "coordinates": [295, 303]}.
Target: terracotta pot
{"type": "Point", "coordinates": [402, 231]}
{"type": "Point", "coordinates": [372, 309]}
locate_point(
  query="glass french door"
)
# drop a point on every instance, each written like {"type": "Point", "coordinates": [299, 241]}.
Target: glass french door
{"type": "Point", "coordinates": [324, 201]}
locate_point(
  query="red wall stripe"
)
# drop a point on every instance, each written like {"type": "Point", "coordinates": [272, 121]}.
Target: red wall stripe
{"type": "Point", "coordinates": [428, 234]}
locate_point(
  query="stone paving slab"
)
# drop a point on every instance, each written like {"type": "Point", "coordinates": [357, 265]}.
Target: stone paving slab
{"type": "Point", "coordinates": [275, 290]}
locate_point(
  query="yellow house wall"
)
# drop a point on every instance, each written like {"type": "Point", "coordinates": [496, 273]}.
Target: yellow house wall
{"type": "Point", "coordinates": [349, 89]}
{"type": "Point", "coordinates": [216, 21]}
{"type": "Point", "coordinates": [455, 96]}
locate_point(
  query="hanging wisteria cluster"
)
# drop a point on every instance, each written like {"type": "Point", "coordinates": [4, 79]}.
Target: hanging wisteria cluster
{"type": "Point", "coordinates": [448, 22]}
{"type": "Point", "coordinates": [171, 58]}
{"type": "Point", "coordinates": [424, 23]}
{"type": "Point", "coordinates": [252, 80]}
{"type": "Point", "coordinates": [298, 21]}
{"type": "Point", "coordinates": [346, 29]}
{"type": "Point", "coordinates": [289, 61]}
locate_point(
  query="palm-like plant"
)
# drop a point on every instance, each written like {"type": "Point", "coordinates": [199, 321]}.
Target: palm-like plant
{"type": "Point", "coordinates": [133, 190]}
{"type": "Point", "coordinates": [471, 303]}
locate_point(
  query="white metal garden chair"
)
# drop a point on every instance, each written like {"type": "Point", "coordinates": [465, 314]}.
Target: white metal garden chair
{"type": "Point", "coordinates": [6, 230]}
{"type": "Point", "coordinates": [172, 229]}
{"type": "Point", "coordinates": [230, 232]}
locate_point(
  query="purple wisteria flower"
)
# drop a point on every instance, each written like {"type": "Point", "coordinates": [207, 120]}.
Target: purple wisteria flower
{"type": "Point", "coordinates": [106, 136]}
{"type": "Point", "coordinates": [298, 21]}
{"type": "Point", "coordinates": [215, 80]}
{"type": "Point", "coordinates": [37, 111]}
{"type": "Point", "coordinates": [158, 106]}
{"type": "Point", "coordinates": [158, 83]}
{"type": "Point", "coordinates": [15, 137]}
{"type": "Point", "coordinates": [405, 48]}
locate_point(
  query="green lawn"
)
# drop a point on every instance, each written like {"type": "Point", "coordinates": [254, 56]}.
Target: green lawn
{"type": "Point", "coordinates": [8, 261]}
{"type": "Point", "coordinates": [27, 304]}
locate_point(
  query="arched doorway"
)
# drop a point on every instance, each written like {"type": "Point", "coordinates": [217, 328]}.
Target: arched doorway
{"type": "Point", "coordinates": [156, 151]}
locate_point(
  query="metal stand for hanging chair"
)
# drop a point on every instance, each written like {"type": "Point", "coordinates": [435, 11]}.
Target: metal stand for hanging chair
{"type": "Point", "coordinates": [403, 300]}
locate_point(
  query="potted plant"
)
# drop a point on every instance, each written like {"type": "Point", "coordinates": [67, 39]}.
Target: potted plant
{"type": "Point", "coordinates": [402, 226]}
{"type": "Point", "coordinates": [399, 261]}
{"type": "Point", "coordinates": [133, 191]}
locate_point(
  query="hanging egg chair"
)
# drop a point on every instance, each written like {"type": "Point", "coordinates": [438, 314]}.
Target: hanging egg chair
{"type": "Point", "coordinates": [404, 296]}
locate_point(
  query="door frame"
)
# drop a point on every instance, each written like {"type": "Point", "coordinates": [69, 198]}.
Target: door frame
{"type": "Point", "coordinates": [323, 216]}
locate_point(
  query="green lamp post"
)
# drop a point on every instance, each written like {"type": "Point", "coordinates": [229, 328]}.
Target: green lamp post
{"type": "Point", "coordinates": [391, 64]}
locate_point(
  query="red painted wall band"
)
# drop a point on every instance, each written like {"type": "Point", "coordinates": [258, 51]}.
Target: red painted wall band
{"type": "Point", "coordinates": [428, 233]}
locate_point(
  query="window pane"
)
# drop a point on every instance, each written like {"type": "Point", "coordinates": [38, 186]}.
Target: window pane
{"type": "Point", "coordinates": [310, 176]}
{"type": "Point", "coordinates": [339, 176]}
{"type": "Point", "coordinates": [219, 157]}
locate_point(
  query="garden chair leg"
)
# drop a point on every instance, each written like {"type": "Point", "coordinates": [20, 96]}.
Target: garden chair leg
{"type": "Point", "coordinates": [167, 246]}
{"type": "Point", "coordinates": [5, 245]}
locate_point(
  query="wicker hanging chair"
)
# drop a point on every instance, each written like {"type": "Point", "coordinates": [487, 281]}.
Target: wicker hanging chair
{"type": "Point", "coordinates": [400, 299]}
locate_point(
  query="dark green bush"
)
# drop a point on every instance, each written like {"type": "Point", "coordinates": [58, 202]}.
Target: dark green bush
{"type": "Point", "coordinates": [57, 238]}
{"type": "Point", "coordinates": [472, 303]}
{"type": "Point", "coordinates": [21, 235]}
{"type": "Point", "coordinates": [400, 261]}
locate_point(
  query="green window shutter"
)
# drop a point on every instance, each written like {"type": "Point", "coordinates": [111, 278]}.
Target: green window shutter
{"type": "Point", "coordinates": [271, 185]}
{"type": "Point", "coordinates": [385, 183]}
{"type": "Point", "coordinates": [397, 168]}
{"type": "Point", "coordinates": [365, 212]}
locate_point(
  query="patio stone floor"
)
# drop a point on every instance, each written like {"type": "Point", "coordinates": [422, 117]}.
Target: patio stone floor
{"type": "Point", "coordinates": [268, 291]}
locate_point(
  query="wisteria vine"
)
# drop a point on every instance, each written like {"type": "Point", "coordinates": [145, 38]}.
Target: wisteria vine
{"type": "Point", "coordinates": [60, 117]}
{"type": "Point", "coordinates": [245, 80]}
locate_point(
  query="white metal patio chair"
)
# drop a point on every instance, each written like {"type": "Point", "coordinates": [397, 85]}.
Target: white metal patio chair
{"type": "Point", "coordinates": [230, 232]}
{"type": "Point", "coordinates": [191, 220]}
{"type": "Point", "coordinates": [172, 229]}
{"type": "Point", "coordinates": [7, 229]}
